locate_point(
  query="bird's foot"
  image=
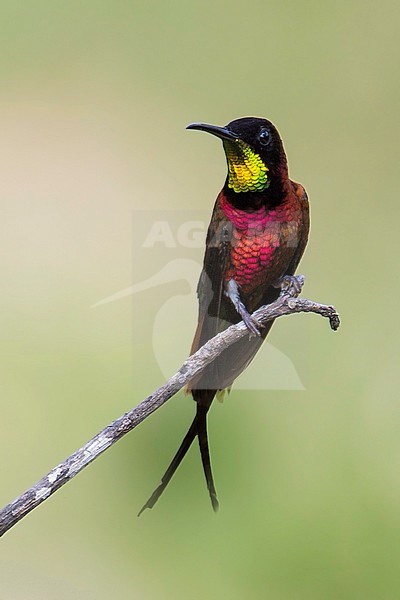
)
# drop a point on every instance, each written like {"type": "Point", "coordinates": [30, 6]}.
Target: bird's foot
{"type": "Point", "coordinates": [251, 323]}
{"type": "Point", "coordinates": [290, 285]}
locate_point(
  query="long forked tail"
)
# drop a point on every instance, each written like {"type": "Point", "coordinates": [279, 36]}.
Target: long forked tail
{"type": "Point", "coordinates": [198, 428]}
{"type": "Point", "coordinates": [201, 419]}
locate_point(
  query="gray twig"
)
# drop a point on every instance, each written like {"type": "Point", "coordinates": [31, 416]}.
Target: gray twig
{"type": "Point", "coordinates": [286, 304]}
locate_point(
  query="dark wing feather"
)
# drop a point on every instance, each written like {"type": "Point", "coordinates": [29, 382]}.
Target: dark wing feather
{"type": "Point", "coordinates": [216, 312]}
{"type": "Point", "coordinates": [303, 230]}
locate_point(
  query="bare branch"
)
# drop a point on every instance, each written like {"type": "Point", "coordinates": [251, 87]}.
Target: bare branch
{"type": "Point", "coordinates": [286, 304]}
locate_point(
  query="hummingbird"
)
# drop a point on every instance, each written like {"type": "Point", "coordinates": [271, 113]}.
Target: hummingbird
{"type": "Point", "coordinates": [256, 238]}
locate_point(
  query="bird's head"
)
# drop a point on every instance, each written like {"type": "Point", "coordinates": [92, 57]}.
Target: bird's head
{"type": "Point", "coordinates": [254, 152]}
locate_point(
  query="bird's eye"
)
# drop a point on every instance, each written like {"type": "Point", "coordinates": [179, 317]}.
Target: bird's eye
{"type": "Point", "coordinates": [264, 137]}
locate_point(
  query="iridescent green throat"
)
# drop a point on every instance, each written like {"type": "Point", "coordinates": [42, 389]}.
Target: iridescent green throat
{"type": "Point", "coordinates": [246, 170]}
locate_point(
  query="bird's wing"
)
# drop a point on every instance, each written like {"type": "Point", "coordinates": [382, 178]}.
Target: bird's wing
{"type": "Point", "coordinates": [303, 228]}
{"type": "Point", "coordinates": [215, 310]}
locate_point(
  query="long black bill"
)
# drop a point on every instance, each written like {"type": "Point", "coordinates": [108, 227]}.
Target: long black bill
{"type": "Point", "coordinates": [221, 132]}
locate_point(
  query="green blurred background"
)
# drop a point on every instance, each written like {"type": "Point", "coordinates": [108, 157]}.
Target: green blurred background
{"type": "Point", "coordinates": [95, 99]}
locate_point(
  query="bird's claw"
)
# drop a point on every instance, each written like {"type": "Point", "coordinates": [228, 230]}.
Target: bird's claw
{"type": "Point", "coordinates": [290, 285]}
{"type": "Point", "coordinates": [252, 324]}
